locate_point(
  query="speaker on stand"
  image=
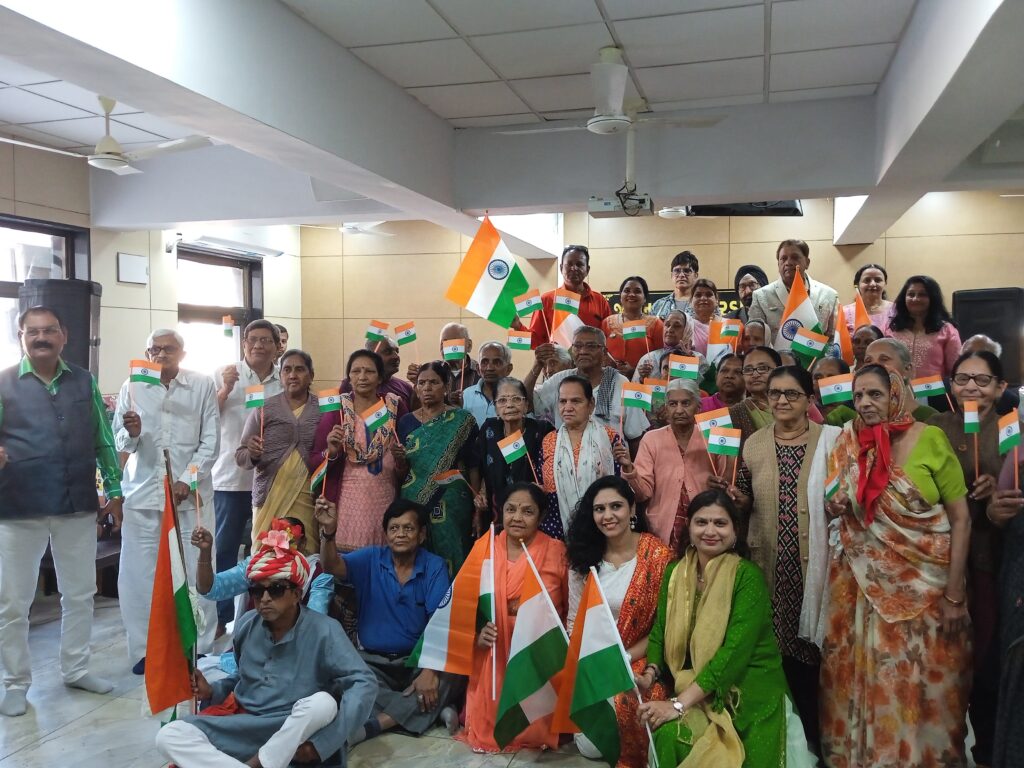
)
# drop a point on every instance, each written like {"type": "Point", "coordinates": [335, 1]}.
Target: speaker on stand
{"type": "Point", "coordinates": [78, 303]}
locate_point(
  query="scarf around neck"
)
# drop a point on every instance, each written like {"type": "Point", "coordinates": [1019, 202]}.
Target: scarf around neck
{"type": "Point", "coordinates": [874, 459]}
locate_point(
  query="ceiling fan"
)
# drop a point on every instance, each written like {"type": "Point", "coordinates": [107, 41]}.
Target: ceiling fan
{"type": "Point", "coordinates": [109, 155]}
{"type": "Point", "coordinates": [611, 114]}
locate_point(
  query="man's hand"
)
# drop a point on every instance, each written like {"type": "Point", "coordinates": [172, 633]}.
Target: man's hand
{"type": "Point", "coordinates": [202, 539]}
{"type": "Point", "coordinates": [326, 515]}
{"type": "Point", "coordinates": [230, 377]}
{"type": "Point", "coordinates": [545, 352]}
{"type": "Point", "coordinates": [1004, 506]}
{"type": "Point", "coordinates": [455, 397]}
{"type": "Point", "coordinates": [3, 457]}
{"type": "Point", "coordinates": [200, 688]}
{"type": "Point", "coordinates": [334, 441]}
{"type": "Point", "coordinates": [113, 507]}
{"type": "Point", "coordinates": [306, 753]}
{"type": "Point", "coordinates": [132, 424]}
{"type": "Point", "coordinates": [180, 491]}
{"type": "Point", "coordinates": [412, 372]}
{"type": "Point", "coordinates": [398, 451]}
{"type": "Point", "coordinates": [983, 487]}
{"type": "Point", "coordinates": [425, 686]}
{"type": "Point", "coordinates": [645, 368]}
{"type": "Point", "coordinates": [255, 446]}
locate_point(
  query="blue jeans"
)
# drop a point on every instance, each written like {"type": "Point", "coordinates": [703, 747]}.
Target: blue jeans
{"type": "Point", "coordinates": [233, 510]}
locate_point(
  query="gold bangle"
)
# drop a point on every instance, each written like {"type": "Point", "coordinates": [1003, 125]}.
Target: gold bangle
{"type": "Point", "coordinates": [951, 601]}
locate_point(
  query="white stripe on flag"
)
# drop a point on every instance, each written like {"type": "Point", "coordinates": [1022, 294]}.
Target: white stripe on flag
{"type": "Point", "coordinates": [487, 291]}
{"type": "Point", "coordinates": [535, 616]}
{"type": "Point", "coordinates": [598, 634]}
{"type": "Point", "coordinates": [540, 703]}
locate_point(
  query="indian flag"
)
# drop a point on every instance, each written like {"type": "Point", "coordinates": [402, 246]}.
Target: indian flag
{"type": "Point", "coordinates": [453, 349]}
{"type": "Point", "coordinates": [731, 327]}
{"type": "Point", "coordinates": [724, 442]}
{"type": "Point", "coordinates": [808, 343]}
{"type": "Point", "coordinates": [1009, 432]}
{"type": "Point", "coordinates": [659, 388]}
{"type": "Point", "coordinates": [227, 323]}
{"type": "Point", "coordinates": [172, 623]}
{"type": "Point", "coordinates": [927, 386]}
{"type": "Point", "coordinates": [832, 484]}
{"type": "Point", "coordinates": [564, 325]}
{"type": "Point", "coordinates": [596, 670]}
{"type": "Point", "coordinates": [377, 330]}
{"type": "Point", "coordinates": [513, 447]}
{"type": "Point", "coordinates": [328, 400]}
{"type": "Point", "coordinates": [536, 655]}
{"type": "Point", "coordinates": [721, 339]}
{"type": "Point", "coordinates": [254, 396]}
{"type": "Point", "coordinates": [376, 416]}
{"type": "Point", "coordinates": [405, 333]}
{"type": "Point", "coordinates": [842, 344]}
{"type": "Point", "coordinates": [520, 340]}
{"type": "Point", "coordinates": [488, 279]}
{"type": "Point", "coordinates": [448, 641]}
{"type": "Point", "coordinates": [836, 389]}
{"type": "Point", "coordinates": [145, 372]}
{"type": "Point", "coordinates": [637, 396]}
{"type": "Point", "coordinates": [634, 330]}
{"type": "Point", "coordinates": [528, 303]}
{"type": "Point", "coordinates": [972, 425]}
{"type": "Point", "coordinates": [318, 476]}
{"type": "Point", "coordinates": [449, 477]}
{"type": "Point", "coordinates": [712, 419]}
{"type": "Point", "coordinates": [683, 367]}
{"type": "Point", "coordinates": [567, 301]}
{"type": "Point", "coordinates": [799, 313]}
{"type": "Point", "coordinates": [193, 477]}
{"type": "Point", "coordinates": [860, 312]}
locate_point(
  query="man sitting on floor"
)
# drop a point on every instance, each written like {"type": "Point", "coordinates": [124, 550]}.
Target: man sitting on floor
{"type": "Point", "coordinates": [294, 666]}
{"type": "Point", "coordinates": [398, 588]}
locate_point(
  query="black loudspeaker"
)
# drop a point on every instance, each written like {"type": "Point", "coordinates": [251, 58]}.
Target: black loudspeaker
{"type": "Point", "coordinates": [999, 314]}
{"type": "Point", "coordinates": [78, 303]}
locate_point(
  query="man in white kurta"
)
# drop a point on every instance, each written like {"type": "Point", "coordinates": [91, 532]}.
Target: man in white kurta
{"type": "Point", "coordinates": [179, 414]}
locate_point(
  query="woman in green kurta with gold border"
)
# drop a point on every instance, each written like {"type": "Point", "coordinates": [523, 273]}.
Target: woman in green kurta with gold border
{"type": "Point", "coordinates": [713, 639]}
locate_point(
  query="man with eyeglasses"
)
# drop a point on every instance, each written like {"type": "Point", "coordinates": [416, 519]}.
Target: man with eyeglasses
{"type": "Point", "coordinates": [685, 270]}
{"type": "Point", "coordinates": [54, 433]}
{"type": "Point", "coordinates": [748, 279]}
{"type": "Point", "coordinates": [178, 415]}
{"type": "Point", "coordinates": [769, 303]}
{"type": "Point", "coordinates": [495, 363]}
{"type": "Point", "coordinates": [398, 586]}
{"type": "Point", "coordinates": [232, 484]}
{"type": "Point", "coordinates": [575, 266]}
{"type": "Point", "coordinates": [300, 690]}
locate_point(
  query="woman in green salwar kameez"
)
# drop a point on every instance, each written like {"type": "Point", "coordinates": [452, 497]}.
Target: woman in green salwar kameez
{"type": "Point", "coordinates": [713, 643]}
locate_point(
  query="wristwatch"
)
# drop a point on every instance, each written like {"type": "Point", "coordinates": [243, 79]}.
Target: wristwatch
{"type": "Point", "coordinates": [677, 705]}
{"type": "Point", "coordinates": [324, 536]}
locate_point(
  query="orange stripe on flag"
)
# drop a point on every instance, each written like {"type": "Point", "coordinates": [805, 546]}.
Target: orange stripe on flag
{"type": "Point", "coordinates": [473, 265]}
{"type": "Point", "coordinates": [531, 587]}
{"type": "Point", "coordinates": [860, 312]}
{"type": "Point", "coordinates": [561, 721]}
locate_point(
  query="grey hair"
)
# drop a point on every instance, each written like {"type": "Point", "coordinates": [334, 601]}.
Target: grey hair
{"type": "Point", "coordinates": [762, 323]}
{"type": "Point", "coordinates": [685, 385]}
{"type": "Point", "coordinates": [898, 347]}
{"type": "Point", "coordinates": [563, 354]}
{"type": "Point", "coordinates": [506, 353]}
{"type": "Point", "coordinates": [456, 327]}
{"type": "Point", "coordinates": [984, 342]}
{"type": "Point", "coordinates": [591, 330]}
{"type": "Point", "coordinates": [157, 333]}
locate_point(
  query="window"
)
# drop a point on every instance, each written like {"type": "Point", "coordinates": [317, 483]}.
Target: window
{"type": "Point", "coordinates": [212, 285]}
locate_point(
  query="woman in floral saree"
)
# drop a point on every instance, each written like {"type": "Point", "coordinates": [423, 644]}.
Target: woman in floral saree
{"type": "Point", "coordinates": [896, 661]}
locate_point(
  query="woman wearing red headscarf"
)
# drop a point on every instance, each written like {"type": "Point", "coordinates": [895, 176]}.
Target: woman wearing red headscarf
{"type": "Point", "coordinates": [896, 662]}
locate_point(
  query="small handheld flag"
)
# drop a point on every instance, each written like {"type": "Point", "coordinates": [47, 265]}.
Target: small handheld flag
{"type": "Point", "coordinates": [227, 323]}
{"type": "Point", "coordinates": [809, 344]}
{"type": "Point", "coordinates": [731, 327]}
{"type": "Point", "coordinates": [567, 301]}
{"type": "Point", "coordinates": [971, 423]}
{"type": "Point", "coordinates": [683, 367]}
{"type": "Point", "coordinates": [659, 388]}
{"type": "Point", "coordinates": [318, 476]}
{"type": "Point", "coordinates": [637, 396]}
{"type": "Point", "coordinates": [842, 344]}
{"type": "Point", "coordinates": [860, 312]}
{"type": "Point", "coordinates": [528, 303]}
{"type": "Point", "coordinates": [376, 416]}
{"type": "Point", "coordinates": [254, 397]}
{"type": "Point", "coordinates": [724, 442]}
{"type": "Point", "coordinates": [520, 340]}
{"type": "Point", "coordinates": [832, 484]}
{"type": "Point", "coordinates": [712, 419]}
{"type": "Point", "coordinates": [328, 400]}
{"type": "Point", "coordinates": [799, 313]}
{"type": "Point", "coordinates": [193, 477]}
{"type": "Point", "coordinates": [513, 447]}
{"type": "Point", "coordinates": [1009, 432]}
{"type": "Point", "coordinates": [405, 334]}
{"type": "Point", "coordinates": [836, 389]}
{"type": "Point", "coordinates": [377, 330]}
{"type": "Point", "coordinates": [145, 372]}
{"type": "Point", "coordinates": [453, 349]}
{"type": "Point", "coordinates": [927, 386]}
{"type": "Point", "coordinates": [634, 330]}
{"type": "Point", "coordinates": [449, 477]}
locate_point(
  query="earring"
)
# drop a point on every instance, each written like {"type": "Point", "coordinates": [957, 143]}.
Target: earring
{"type": "Point", "coordinates": [632, 522]}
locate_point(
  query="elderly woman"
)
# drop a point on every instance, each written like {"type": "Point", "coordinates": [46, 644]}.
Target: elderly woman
{"type": "Point", "coordinates": [574, 456]}
{"type": "Point", "coordinates": [277, 443]}
{"type": "Point", "coordinates": [705, 309]}
{"type": "Point", "coordinates": [896, 659]}
{"type": "Point", "coordinates": [978, 378]}
{"type": "Point", "coordinates": [712, 644]}
{"type": "Point", "coordinates": [870, 282]}
{"type": "Point", "coordinates": [633, 297]}
{"type": "Point", "coordinates": [678, 340]}
{"type": "Point", "coordinates": [781, 484]}
{"type": "Point", "coordinates": [728, 384]}
{"type": "Point", "coordinates": [672, 464]}
{"type": "Point", "coordinates": [835, 414]}
{"type": "Point", "coordinates": [362, 476]}
{"type": "Point", "coordinates": [753, 411]}
{"type": "Point", "coordinates": [510, 403]}
{"type": "Point", "coordinates": [861, 340]}
{"type": "Point", "coordinates": [755, 334]}
{"type": "Point", "coordinates": [609, 533]}
{"type": "Point", "coordinates": [522, 509]}
{"type": "Point", "coordinates": [921, 321]}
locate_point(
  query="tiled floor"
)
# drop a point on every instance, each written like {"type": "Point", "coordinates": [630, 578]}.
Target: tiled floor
{"type": "Point", "coordinates": [65, 727]}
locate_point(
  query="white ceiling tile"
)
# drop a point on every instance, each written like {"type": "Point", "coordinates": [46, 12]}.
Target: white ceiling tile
{"type": "Point", "coordinates": [734, 33]}
{"type": "Point", "coordinates": [823, 69]}
{"type": "Point", "coordinates": [18, 106]}
{"type": "Point", "coordinates": [76, 97]}
{"type": "Point", "coordinates": [39, 137]}
{"type": "Point", "coordinates": [472, 17]}
{"type": "Point", "coordinates": [494, 120]}
{"type": "Point", "coordinates": [544, 52]}
{"type": "Point", "coordinates": [800, 25]}
{"type": "Point", "coordinates": [638, 9]}
{"type": "Point", "coordinates": [474, 100]}
{"type": "Point", "coordinates": [703, 80]}
{"type": "Point", "coordinates": [568, 92]}
{"type": "Point", "coordinates": [570, 114]}
{"type": "Point", "coordinates": [810, 94]}
{"type": "Point", "coordinates": [157, 125]}
{"type": "Point", "coordinates": [357, 22]}
{"type": "Point", "coordinates": [89, 130]}
{"type": "Point", "coordinates": [439, 62]}
{"type": "Point", "coordinates": [714, 101]}
{"type": "Point", "coordinates": [13, 73]}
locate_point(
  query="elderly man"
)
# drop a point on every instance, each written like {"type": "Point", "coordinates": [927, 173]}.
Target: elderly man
{"type": "Point", "coordinates": [398, 587]}
{"type": "Point", "coordinates": [53, 434]}
{"type": "Point", "coordinates": [388, 350]}
{"type": "Point", "coordinates": [465, 372]}
{"type": "Point", "coordinates": [574, 265]}
{"type": "Point", "coordinates": [301, 691]}
{"type": "Point", "coordinates": [178, 415]}
{"type": "Point", "coordinates": [232, 484]}
{"type": "Point", "coordinates": [495, 363]}
{"type": "Point", "coordinates": [893, 355]}
{"type": "Point", "coordinates": [588, 348]}
{"type": "Point", "coordinates": [769, 303]}
{"type": "Point", "coordinates": [748, 279]}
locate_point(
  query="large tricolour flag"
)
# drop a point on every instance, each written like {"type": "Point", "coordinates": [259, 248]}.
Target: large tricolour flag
{"type": "Point", "coordinates": [536, 655]}
{"type": "Point", "coordinates": [489, 280]}
{"type": "Point", "coordinates": [172, 624]}
{"type": "Point", "coordinates": [799, 313]}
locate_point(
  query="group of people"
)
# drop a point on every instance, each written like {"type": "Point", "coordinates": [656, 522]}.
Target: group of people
{"type": "Point", "coordinates": [848, 586]}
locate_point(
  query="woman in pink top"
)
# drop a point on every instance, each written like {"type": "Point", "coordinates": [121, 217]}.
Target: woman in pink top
{"type": "Point", "coordinates": [870, 282]}
{"type": "Point", "coordinates": [671, 465]}
{"type": "Point", "coordinates": [921, 321]}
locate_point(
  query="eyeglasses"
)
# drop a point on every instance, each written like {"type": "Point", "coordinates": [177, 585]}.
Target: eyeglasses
{"type": "Point", "coordinates": [791, 395]}
{"type": "Point", "coordinates": [266, 341]}
{"type": "Point", "coordinates": [50, 330]}
{"type": "Point", "coordinates": [751, 369]}
{"type": "Point", "coordinates": [981, 379]}
{"type": "Point", "coordinates": [586, 346]}
{"type": "Point", "coordinates": [683, 271]}
{"type": "Point", "coordinates": [510, 400]}
{"type": "Point", "coordinates": [275, 590]}
{"type": "Point", "coordinates": [404, 528]}
{"type": "Point", "coordinates": [169, 349]}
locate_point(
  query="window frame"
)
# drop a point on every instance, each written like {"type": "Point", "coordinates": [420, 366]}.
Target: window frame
{"type": "Point", "coordinates": [252, 287]}
{"type": "Point", "coordinates": [77, 244]}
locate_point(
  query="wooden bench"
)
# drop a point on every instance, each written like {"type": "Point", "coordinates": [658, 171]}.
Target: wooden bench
{"type": "Point", "coordinates": [108, 554]}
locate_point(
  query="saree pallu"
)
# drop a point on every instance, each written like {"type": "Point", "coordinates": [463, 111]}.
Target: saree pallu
{"type": "Point", "coordinates": [437, 446]}
{"type": "Point", "coordinates": [894, 686]}
{"type": "Point", "coordinates": [289, 496]}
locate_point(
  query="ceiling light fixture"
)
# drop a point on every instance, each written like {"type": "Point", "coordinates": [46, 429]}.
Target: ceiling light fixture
{"type": "Point", "coordinates": [673, 212]}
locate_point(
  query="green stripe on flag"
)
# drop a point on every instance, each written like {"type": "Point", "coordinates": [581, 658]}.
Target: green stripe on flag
{"type": "Point", "coordinates": [504, 310]}
{"type": "Point", "coordinates": [510, 724]}
{"type": "Point", "coordinates": [598, 723]}
{"type": "Point", "coordinates": [533, 667]}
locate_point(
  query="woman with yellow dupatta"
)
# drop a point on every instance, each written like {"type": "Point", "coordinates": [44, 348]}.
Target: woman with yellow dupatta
{"type": "Point", "coordinates": [896, 658]}
{"type": "Point", "coordinates": [713, 644]}
{"type": "Point", "coordinates": [522, 506]}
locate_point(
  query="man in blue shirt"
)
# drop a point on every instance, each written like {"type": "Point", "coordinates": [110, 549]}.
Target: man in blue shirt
{"type": "Point", "coordinates": [495, 363]}
{"type": "Point", "coordinates": [398, 588]}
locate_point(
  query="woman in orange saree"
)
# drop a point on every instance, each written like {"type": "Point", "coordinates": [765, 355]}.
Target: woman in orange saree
{"type": "Point", "coordinates": [522, 506]}
{"type": "Point", "coordinates": [896, 658]}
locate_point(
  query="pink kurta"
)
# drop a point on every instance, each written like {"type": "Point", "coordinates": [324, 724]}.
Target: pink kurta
{"type": "Point", "coordinates": [879, 319]}
{"type": "Point", "coordinates": [932, 354]}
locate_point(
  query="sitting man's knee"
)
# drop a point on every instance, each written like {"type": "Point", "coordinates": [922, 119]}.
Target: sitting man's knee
{"type": "Point", "coordinates": [321, 705]}
{"type": "Point", "coordinates": [171, 734]}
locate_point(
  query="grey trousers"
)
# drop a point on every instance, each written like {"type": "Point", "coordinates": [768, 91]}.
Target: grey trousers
{"type": "Point", "coordinates": [393, 677]}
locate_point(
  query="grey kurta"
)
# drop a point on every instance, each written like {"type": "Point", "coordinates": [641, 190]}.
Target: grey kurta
{"type": "Point", "coordinates": [314, 655]}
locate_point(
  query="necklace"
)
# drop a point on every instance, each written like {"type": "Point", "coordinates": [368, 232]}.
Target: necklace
{"type": "Point", "coordinates": [801, 433]}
